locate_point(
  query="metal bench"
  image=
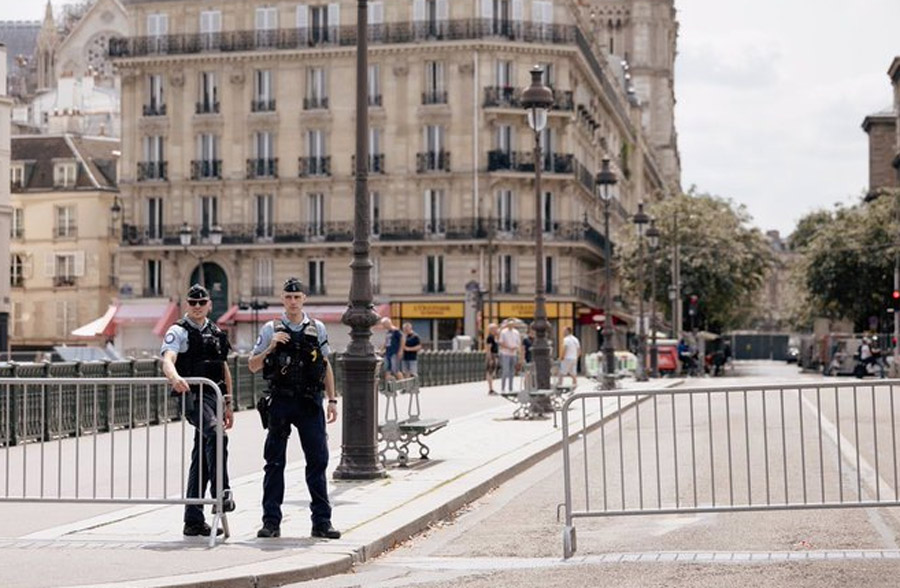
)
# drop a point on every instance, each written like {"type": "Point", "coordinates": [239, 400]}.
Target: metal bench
{"type": "Point", "coordinates": [396, 434]}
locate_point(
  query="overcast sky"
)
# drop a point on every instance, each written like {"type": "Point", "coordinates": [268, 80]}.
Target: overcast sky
{"type": "Point", "coordinates": [771, 95]}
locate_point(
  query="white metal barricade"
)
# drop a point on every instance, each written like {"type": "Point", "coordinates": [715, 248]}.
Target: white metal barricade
{"type": "Point", "coordinates": [730, 449]}
{"type": "Point", "coordinates": [103, 440]}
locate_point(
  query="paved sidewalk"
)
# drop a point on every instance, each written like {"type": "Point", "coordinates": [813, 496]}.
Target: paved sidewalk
{"type": "Point", "coordinates": [143, 546]}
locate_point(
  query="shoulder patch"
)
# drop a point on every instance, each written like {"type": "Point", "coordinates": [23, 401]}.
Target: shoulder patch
{"type": "Point", "coordinates": [170, 337]}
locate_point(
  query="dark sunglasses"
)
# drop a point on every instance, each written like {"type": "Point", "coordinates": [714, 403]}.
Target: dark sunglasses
{"type": "Point", "coordinates": [197, 302]}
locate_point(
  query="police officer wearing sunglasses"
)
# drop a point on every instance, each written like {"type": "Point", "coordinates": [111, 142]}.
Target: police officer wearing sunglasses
{"type": "Point", "coordinates": [293, 355]}
{"type": "Point", "coordinates": [195, 347]}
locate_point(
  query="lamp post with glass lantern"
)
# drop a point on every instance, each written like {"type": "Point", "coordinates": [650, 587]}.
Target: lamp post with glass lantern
{"type": "Point", "coordinates": [186, 236]}
{"type": "Point", "coordinates": [605, 179]}
{"type": "Point", "coordinates": [640, 219]}
{"type": "Point", "coordinates": [537, 100]}
{"type": "Point", "coordinates": [653, 239]}
{"type": "Point", "coordinates": [359, 445]}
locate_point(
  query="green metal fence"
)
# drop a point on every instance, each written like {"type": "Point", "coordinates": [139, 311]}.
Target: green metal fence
{"type": "Point", "coordinates": [35, 413]}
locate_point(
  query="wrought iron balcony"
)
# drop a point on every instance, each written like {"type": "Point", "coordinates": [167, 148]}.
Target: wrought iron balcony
{"type": "Point", "coordinates": [315, 103]}
{"type": "Point", "coordinates": [154, 109]}
{"type": "Point", "coordinates": [376, 163]}
{"type": "Point", "coordinates": [511, 97]}
{"type": "Point", "coordinates": [523, 161]}
{"type": "Point", "coordinates": [262, 105]}
{"type": "Point", "coordinates": [262, 168]}
{"type": "Point", "coordinates": [315, 166]}
{"type": "Point", "coordinates": [207, 107]}
{"type": "Point", "coordinates": [434, 97]}
{"type": "Point", "coordinates": [64, 281]}
{"type": "Point", "coordinates": [206, 169]}
{"type": "Point", "coordinates": [342, 36]}
{"type": "Point", "coordinates": [152, 170]}
{"type": "Point", "coordinates": [432, 161]}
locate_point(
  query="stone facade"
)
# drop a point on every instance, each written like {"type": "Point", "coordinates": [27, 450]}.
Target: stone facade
{"type": "Point", "coordinates": [882, 130]}
{"type": "Point", "coordinates": [5, 208]}
{"type": "Point", "coordinates": [239, 115]}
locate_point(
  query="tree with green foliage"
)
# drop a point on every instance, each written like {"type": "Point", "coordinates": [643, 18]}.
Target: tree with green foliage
{"type": "Point", "coordinates": [723, 259]}
{"type": "Point", "coordinates": [847, 261]}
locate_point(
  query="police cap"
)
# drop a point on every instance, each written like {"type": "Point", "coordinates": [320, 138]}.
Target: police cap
{"type": "Point", "coordinates": [293, 284]}
{"type": "Point", "coordinates": [197, 292]}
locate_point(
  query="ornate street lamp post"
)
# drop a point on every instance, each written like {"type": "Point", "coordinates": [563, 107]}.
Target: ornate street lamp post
{"type": "Point", "coordinates": [653, 238]}
{"type": "Point", "coordinates": [359, 445]}
{"type": "Point", "coordinates": [537, 100]}
{"type": "Point", "coordinates": [641, 219]}
{"type": "Point", "coordinates": [605, 179]}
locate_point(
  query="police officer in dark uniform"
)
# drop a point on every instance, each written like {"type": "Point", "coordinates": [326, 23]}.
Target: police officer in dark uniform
{"type": "Point", "coordinates": [293, 354]}
{"type": "Point", "coordinates": [195, 347]}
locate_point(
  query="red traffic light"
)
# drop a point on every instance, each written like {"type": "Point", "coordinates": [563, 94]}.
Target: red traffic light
{"type": "Point", "coordinates": [895, 294]}
{"type": "Point", "coordinates": [695, 298]}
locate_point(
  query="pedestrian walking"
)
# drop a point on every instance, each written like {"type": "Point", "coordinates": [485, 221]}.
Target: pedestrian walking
{"type": "Point", "coordinates": [411, 346]}
{"type": "Point", "coordinates": [510, 353]}
{"type": "Point", "coordinates": [293, 354]}
{"type": "Point", "coordinates": [393, 341]}
{"type": "Point", "coordinates": [568, 358]}
{"type": "Point", "coordinates": [195, 347]}
{"type": "Point", "coordinates": [492, 353]}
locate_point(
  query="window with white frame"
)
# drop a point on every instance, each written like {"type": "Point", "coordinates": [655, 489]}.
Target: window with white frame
{"type": "Point", "coordinates": [153, 274]}
{"type": "Point", "coordinates": [66, 317]}
{"type": "Point", "coordinates": [17, 270]}
{"type": "Point", "coordinates": [156, 104]}
{"type": "Point", "coordinates": [65, 174]}
{"type": "Point", "coordinates": [17, 175]}
{"type": "Point", "coordinates": [376, 157]}
{"type": "Point", "coordinates": [503, 74]}
{"type": "Point", "coordinates": [435, 90]}
{"type": "Point", "coordinates": [209, 214]}
{"type": "Point", "coordinates": [430, 18]}
{"type": "Point", "coordinates": [316, 88]}
{"type": "Point", "coordinates": [316, 149]}
{"type": "Point", "coordinates": [548, 145]}
{"type": "Point", "coordinates": [66, 225]}
{"type": "Point", "coordinates": [434, 273]}
{"type": "Point", "coordinates": [542, 17]}
{"type": "Point", "coordinates": [315, 210]}
{"type": "Point", "coordinates": [208, 164]}
{"type": "Point", "coordinates": [506, 215]}
{"type": "Point", "coordinates": [505, 139]}
{"type": "Point", "coordinates": [266, 26]}
{"type": "Point", "coordinates": [374, 84]}
{"type": "Point", "coordinates": [316, 276]}
{"type": "Point", "coordinates": [264, 144]}
{"type": "Point", "coordinates": [548, 212]}
{"type": "Point", "coordinates": [263, 91]}
{"type": "Point", "coordinates": [434, 212]}
{"type": "Point", "coordinates": [263, 276]}
{"type": "Point", "coordinates": [208, 97]}
{"type": "Point", "coordinates": [155, 227]}
{"type": "Point", "coordinates": [158, 30]}
{"type": "Point", "coordinates": [64, 267]}
{"type": "Point", "coordinates": [17, 226]}
{"type": "Point", "coordinates": [548, 78]}
{"type": "Point", "coordinates": [265, 208]}
{"type": "Point", "coordinates": [506, 281]}
{"type": "Point", "coordinates": [153, 168]}
{"type": "Point", "coordinates": [210, 29]}
{"type": "Point", "coordinates": [374, 213]}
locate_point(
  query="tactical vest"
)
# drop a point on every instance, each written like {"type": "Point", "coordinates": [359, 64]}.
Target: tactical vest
{"type": "Point", "coordinates": [206, 353]}
{"type": "Point", "coordinates": [296, 368]}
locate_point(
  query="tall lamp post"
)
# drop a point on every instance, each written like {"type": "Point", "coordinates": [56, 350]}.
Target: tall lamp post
{"type": "Point", "coordinates": [186, 236]}
{"type": "Point", "coordinates": [605, 179]}
{"type": "Point", "coordinates": [537, 100]}
{"type": "Point", "coordinates": [359, 444]}
{"type": "Point", "coordinates": [640, 219]}
{"type": "Point", "coordinates": [653, 239]}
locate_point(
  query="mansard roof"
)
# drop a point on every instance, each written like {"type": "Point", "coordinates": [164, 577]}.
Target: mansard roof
{"type": "Point", "coordinates": [95, 157]}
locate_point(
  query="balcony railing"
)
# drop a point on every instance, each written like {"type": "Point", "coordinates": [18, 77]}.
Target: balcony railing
{"type": "Point", "coordinates": [206, 169]}
{"type": "Point", "coordinates": [64, 281]}
{"type": "Point", "coordinates": [523, 161]}
{"type": "Point", "coordinates": [342, 36]}
{"type": "Point", "coordinates": [434, 97]}
{"type": "Point", "coordinates": [433, 289]}
{"type": "Point", "coordinates": [391, 230]}
{"type": "Point", "coordinates": [262, 168]}
{"type": "Point", "coordinates": [315, 103]}
{"type": "Point", "coordinates": [262, 105]}
{"type": "Point", "coordinates": [376, 163]}
{"type": "Point", "coordinates": [151, 170]}
{"type": "Point", "coordinates": [507, 288]}
{"type": "Point", "coordinates": [207, 107]}
{"type": "Point", "coordinates": [432, 161]}
{"type": "Point", "coordinates": [315, 166]}
{"type": "Point", "coordinates": [511, 97]}
{"type": "Point", "coordinates": [153, 109]}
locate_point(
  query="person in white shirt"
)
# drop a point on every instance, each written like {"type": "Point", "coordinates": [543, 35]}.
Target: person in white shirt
{"type": "Point", "coordinates": [510, 352]}
{"type": "Point", "coordinates": [568, 358]}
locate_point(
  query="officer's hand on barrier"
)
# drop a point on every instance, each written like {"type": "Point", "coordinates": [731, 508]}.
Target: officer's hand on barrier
{"type": "Point", "coordinates": [179, 385]}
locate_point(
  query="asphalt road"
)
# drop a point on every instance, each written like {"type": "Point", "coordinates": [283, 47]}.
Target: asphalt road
{"type": "Point", "coordinates": [512, 537]}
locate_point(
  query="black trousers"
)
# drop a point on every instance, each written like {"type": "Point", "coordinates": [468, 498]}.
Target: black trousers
{"type": "Point", "coordinates": [204, 440]}
{"type": "Point", "coordinates": [307, 415]}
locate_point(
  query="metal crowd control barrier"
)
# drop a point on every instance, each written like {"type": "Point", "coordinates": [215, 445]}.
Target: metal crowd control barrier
{"type": "Point", "coordinates": [730, 449]}
{"type": "Point", "coordinates": [102, 440]}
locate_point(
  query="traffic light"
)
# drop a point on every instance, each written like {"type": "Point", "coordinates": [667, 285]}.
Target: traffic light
{"type": "Point", "coordinates": [895, 300]}
{"type": "Point", "coordinates": [694, 300]}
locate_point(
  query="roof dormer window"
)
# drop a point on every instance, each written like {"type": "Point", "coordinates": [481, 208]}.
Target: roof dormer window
{"type": "Point", "coordinates": [64, 174]}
